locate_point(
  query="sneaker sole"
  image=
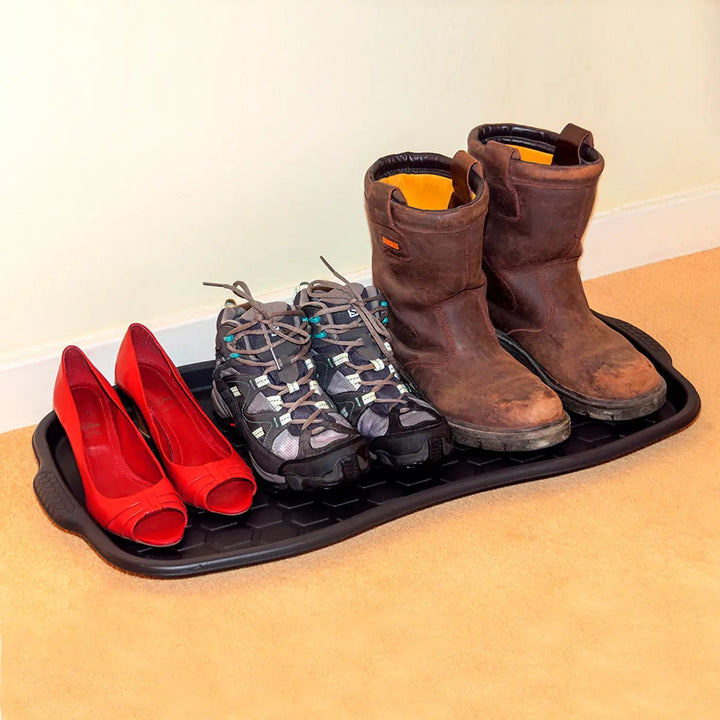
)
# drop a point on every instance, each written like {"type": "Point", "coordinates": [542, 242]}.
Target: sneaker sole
{"type": "Point", "coordinates": [347, 464]}
{"type": "Point", "coordinates": [419, 450]}
{"type": "Point", "coordinates": [345, 470]}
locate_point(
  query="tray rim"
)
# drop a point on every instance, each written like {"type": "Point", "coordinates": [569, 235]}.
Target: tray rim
{"type": "Point", "coordinates": [64, 510]}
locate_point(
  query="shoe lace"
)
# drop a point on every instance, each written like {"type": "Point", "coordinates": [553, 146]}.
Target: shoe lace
{"type": "Point", "coordinates": [264, 325]}
{"type": "Point", "coordinates": [369, 317]}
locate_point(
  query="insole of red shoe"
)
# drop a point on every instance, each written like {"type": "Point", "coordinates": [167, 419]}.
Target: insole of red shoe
{"type": "Point", "coordinates": [188, 437]}
{"type": "Point", "coordinates": [106, 456]}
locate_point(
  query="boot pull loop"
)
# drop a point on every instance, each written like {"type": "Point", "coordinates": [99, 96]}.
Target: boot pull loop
{"type": "Point", "coordinates": [496, 159]}
{"type": "Point", "coordinates": [380, 196]}
{"type": "Point", "coordinates": [568, 144]}
{"type": "Point", "coordinates": [461, 166]}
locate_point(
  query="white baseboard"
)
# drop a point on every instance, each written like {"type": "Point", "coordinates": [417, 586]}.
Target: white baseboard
{"type": "Point", "coordinates": [26, 385]}
{"type": "Point", "coordinates": [618, 240]}
{"type": "Point", "coordinates": [652, 231]}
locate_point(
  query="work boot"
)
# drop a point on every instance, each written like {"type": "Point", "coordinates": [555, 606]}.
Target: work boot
{"type": "Point", "coordinates": [355, 368]}
{"type": "Point", "coordinates": [542, 189]}
{"type": "Point", "coordinates": [426, 214]}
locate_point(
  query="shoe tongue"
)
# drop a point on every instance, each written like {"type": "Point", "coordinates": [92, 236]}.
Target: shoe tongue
{"type": "Point", "coordinates": [283, 351]}
{"type": "Point", "coordinates": [338, 297]}
{"type": "Point", "coordinates": [273, 307]}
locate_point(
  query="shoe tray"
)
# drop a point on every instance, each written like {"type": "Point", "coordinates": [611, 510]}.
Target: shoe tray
{"type": "Point", "coordinates": [282, 524]}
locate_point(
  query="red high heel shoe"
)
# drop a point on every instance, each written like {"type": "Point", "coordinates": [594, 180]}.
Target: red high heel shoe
{"type": "Point", "coordinates": [126, 490]}
{"type": "Point", "coordinates": [198, 459]}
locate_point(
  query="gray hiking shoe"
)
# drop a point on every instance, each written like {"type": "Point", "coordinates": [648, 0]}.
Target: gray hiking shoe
{"type": "Point", "coordinates": [265, 385]}
{"type": "Point", "coordinates": [355, 367]}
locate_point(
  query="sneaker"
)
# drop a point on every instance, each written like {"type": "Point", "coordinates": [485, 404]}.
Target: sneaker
{"type": "Point", "coordinates": [355, 367]}
{"type": "Point", "coordinates": [265, 385]}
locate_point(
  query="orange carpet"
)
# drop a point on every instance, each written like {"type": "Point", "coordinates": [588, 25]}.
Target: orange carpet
{"type": "Point", "coordinates": [591, 595]}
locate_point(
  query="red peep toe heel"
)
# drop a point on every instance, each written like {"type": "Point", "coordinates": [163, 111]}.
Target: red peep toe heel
{"type": "Point", "coordinates": [126, 490]}
{"type": "Point", "coordinates": [199, 460]}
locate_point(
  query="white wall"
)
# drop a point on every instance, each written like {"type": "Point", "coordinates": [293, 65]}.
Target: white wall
{"type": "Point", "coordinates": [148, 145]}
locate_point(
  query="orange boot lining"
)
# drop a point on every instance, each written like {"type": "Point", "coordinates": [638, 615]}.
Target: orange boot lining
{"type": "Point", "coordinates": [428, 191]}
{"type": "Point", "coordinates": [533, 156]}
{"type": "Point", "coordinates": [425, 191]}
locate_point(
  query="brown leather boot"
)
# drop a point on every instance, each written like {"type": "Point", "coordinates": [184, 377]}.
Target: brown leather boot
{"type": "Point", "coordinates": [542, 189]}
{"type": "Point", "coordinates": [426, 214]}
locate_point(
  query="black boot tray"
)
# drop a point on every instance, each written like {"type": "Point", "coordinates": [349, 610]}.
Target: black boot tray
{"type": "Point", "coordinates": [282, 524]}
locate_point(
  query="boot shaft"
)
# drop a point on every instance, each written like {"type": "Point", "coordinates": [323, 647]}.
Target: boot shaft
{"type": "Point", "coordinates": [426, 214]}
{"type": "Point", "coordinates": [542, 189]}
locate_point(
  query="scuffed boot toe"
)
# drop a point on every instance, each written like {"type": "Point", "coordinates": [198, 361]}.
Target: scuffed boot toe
{"type": "Point", "coordinates": [626, 377]}
{"type": "Point", "coordinates": [625, 390]}
{"type": "Point", "coordinates": [617, 384]}
{"type": "Point", "coordinates": [519, 413]}
{"type": "Point", "coordinates": [528, 405]}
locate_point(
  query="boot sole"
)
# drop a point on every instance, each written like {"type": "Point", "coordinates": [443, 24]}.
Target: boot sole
{"type": "Point", "coordinates": [628, 409]}
{"type": "Point", "coordinates": [511, 440]}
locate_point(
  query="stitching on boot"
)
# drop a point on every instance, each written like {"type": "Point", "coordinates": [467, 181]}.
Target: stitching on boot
{"type": "Point", "coordinates": [375, 209]}
{"type": "Point", "coordinates": [557, 185]}
{"type": "Point", "coordinates": [504, 282]}
{"type": "Point", "coordinates": [498, 190]}
{"type": "Point", "coordinates": [400, 321]}
{"type": "Point", "coordinates": [549, 302]}
{"type": "Point", "coordinates": [467, 261]}
{"type": "Point", "coordinates": [580, 230]}
{"type": "Point", "coordinates": [497, 159]}
{"type": "Point", "coordinates": [549, 264]}
{"type": "Point", "coordinates": [440, 314]}
{"type": "Point", "coordinates": [550, 309]}
{"type": "Point", "coordinates": [418, 364]}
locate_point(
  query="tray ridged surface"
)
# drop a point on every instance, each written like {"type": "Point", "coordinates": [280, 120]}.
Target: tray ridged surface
{"type": "Point", "coordinates": [286, 523]}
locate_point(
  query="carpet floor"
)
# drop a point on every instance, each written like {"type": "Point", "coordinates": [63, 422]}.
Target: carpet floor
{"type": "Point", "coordinates": [591, 595]}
